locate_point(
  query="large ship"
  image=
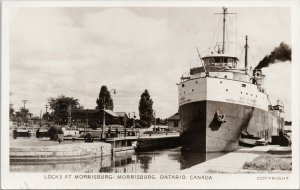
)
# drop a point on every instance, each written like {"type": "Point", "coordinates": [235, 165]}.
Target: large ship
{"type": "Point", "coordinates": [221, 103]}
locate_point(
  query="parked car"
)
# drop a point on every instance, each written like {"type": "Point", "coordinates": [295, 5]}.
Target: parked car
{"type": "Point", "coordinates": [261, 142]}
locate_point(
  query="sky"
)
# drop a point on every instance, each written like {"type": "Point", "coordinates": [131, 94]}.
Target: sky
{"type": "Point", "coordinates": [74, 51]}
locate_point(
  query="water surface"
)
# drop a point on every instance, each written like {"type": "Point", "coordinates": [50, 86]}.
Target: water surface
{"type": "Point", "coordinates": [160, 161]}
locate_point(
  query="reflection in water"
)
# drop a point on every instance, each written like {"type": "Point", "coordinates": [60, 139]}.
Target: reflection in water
{"type": "Point", "coordinates": [144, 162]}
{"type": "Point", "coordinates": [161, 161]}
{"type": "Point", "coordinates": [189, 159]}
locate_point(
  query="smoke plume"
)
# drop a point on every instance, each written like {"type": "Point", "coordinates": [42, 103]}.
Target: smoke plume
{"type": "Point", "coordinates": [278, 76]}
{"type": "Point", "coordinates": [280, 53]}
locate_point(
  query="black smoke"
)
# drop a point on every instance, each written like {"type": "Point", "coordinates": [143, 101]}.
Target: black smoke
{"type": "Point", "coordinates": [281, 53]}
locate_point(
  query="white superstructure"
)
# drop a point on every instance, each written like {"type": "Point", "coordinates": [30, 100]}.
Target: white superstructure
{"type": "Point", "coordinates": [222, 89]}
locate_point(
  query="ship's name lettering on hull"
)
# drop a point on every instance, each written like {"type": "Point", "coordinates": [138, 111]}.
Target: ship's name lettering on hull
{"type": "Point", "coordinates": [231, 100]}
{"type": "Point", "coordinates": [243, 101]}
{"type": "Point", "coordinates": [185, 101]}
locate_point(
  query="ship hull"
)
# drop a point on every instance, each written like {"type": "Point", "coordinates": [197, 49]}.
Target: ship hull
{"type": "Point", "coordinates": [202, 132]}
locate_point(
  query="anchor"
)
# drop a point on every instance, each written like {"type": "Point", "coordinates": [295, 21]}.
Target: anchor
{"type": "Point", "coordinates": [219, 117]}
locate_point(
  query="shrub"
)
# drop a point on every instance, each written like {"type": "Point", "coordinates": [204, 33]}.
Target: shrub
{"type": "Point", "coordinates": [269, 162]}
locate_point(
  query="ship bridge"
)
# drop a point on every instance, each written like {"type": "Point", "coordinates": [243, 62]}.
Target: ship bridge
{"type": "Point", "coordinates": [220, 66]}
{"type": "Point", "coordinates": [220, 60]}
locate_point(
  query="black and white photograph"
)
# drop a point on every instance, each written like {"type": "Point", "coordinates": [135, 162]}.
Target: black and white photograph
{"type": "Point", "coordinates": [126, 94]}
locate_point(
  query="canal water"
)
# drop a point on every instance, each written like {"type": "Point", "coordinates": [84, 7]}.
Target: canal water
{"type": "Point", "coordinates": [160, 161]}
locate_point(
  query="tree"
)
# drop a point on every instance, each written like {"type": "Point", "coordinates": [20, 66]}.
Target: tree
{"type": "Point", "coordinates": [104, 99]}
{"type": "Point", "coordinates": [11, 112]}
{"type": "Point", "coordinates": [22, 115]}
{"type": "Point", "coordinates": [60, 106]}
{"type": "Point", "coordinates": [145, 108]}
{"type": "Point", "coordinates": [24, 112]}
{"type": "Point", "coordinates": [48, 116]}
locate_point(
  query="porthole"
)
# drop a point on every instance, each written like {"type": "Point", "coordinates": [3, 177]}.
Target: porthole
{"type": "Point", "coordinates": [246, 93]}
{"type": "Point", "coordinates": [221, 82]}
{"type": "Point", "coordinates": [241, 92]}
{"type": "Point", "coordinates": [226, 90]}
{"type": "Point", "coordinates": [192, 90]}
{"type": "Point", "coordinates": [225, 76]}
{"type": "Point", "coordinates": [182, 85]}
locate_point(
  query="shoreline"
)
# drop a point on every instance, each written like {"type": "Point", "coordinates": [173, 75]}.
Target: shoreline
{"type": "Point", "coordinates": [233, 162]}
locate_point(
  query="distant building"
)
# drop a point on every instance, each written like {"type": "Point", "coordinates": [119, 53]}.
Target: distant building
{"type": "Point", "coordinates": [95, 117]}
{"type": "Point", "coordinates": [123, 118]}
{"type": "Point", "coordinates": [158, 128]}
{"type": "Point", "coordinates": [173, 122]}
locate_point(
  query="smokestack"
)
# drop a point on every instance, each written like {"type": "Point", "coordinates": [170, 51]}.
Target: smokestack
{"type": "Point", "coordinates": [281, 53]}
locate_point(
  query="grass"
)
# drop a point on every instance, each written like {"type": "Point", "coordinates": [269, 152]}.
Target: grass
{"type": "Point", "coordinates": [270, 162]}
{"type": "Point", "coordinates": [212, 171]}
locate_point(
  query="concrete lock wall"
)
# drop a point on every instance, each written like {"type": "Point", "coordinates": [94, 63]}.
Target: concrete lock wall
{"type": "Point", "coordinates": [60, 152]}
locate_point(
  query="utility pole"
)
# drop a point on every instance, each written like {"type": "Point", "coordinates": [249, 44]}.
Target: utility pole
{"type": "Point", "coordinates": [10, 104]}
{"type": "Point", "coordinates": [134, 119]}
{"type": "Point", "coordinates": [246, 56]}
{"type": "Point", "coordinates": [87, 119]}
{"type": "Point", "coordinates": [70, 116]}
{"type": "Point", "coordinates": [103, 124]}
{"type": "Point", "coordinates": [46, 108]}
{"type": "Point", "coordinates": [24, 102]}
{"type": "Point", "coordinates": [46, 114]}
{"type": "Point", "coordinates": [154, 121]}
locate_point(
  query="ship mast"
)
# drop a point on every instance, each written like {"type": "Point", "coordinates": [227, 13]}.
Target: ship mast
{"type": "Point", "coordinates": [246, 55]}
{"type": "Point", "coordinates": [224, 25]}
{"type": "Point", "coordinates": [224, 13]}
